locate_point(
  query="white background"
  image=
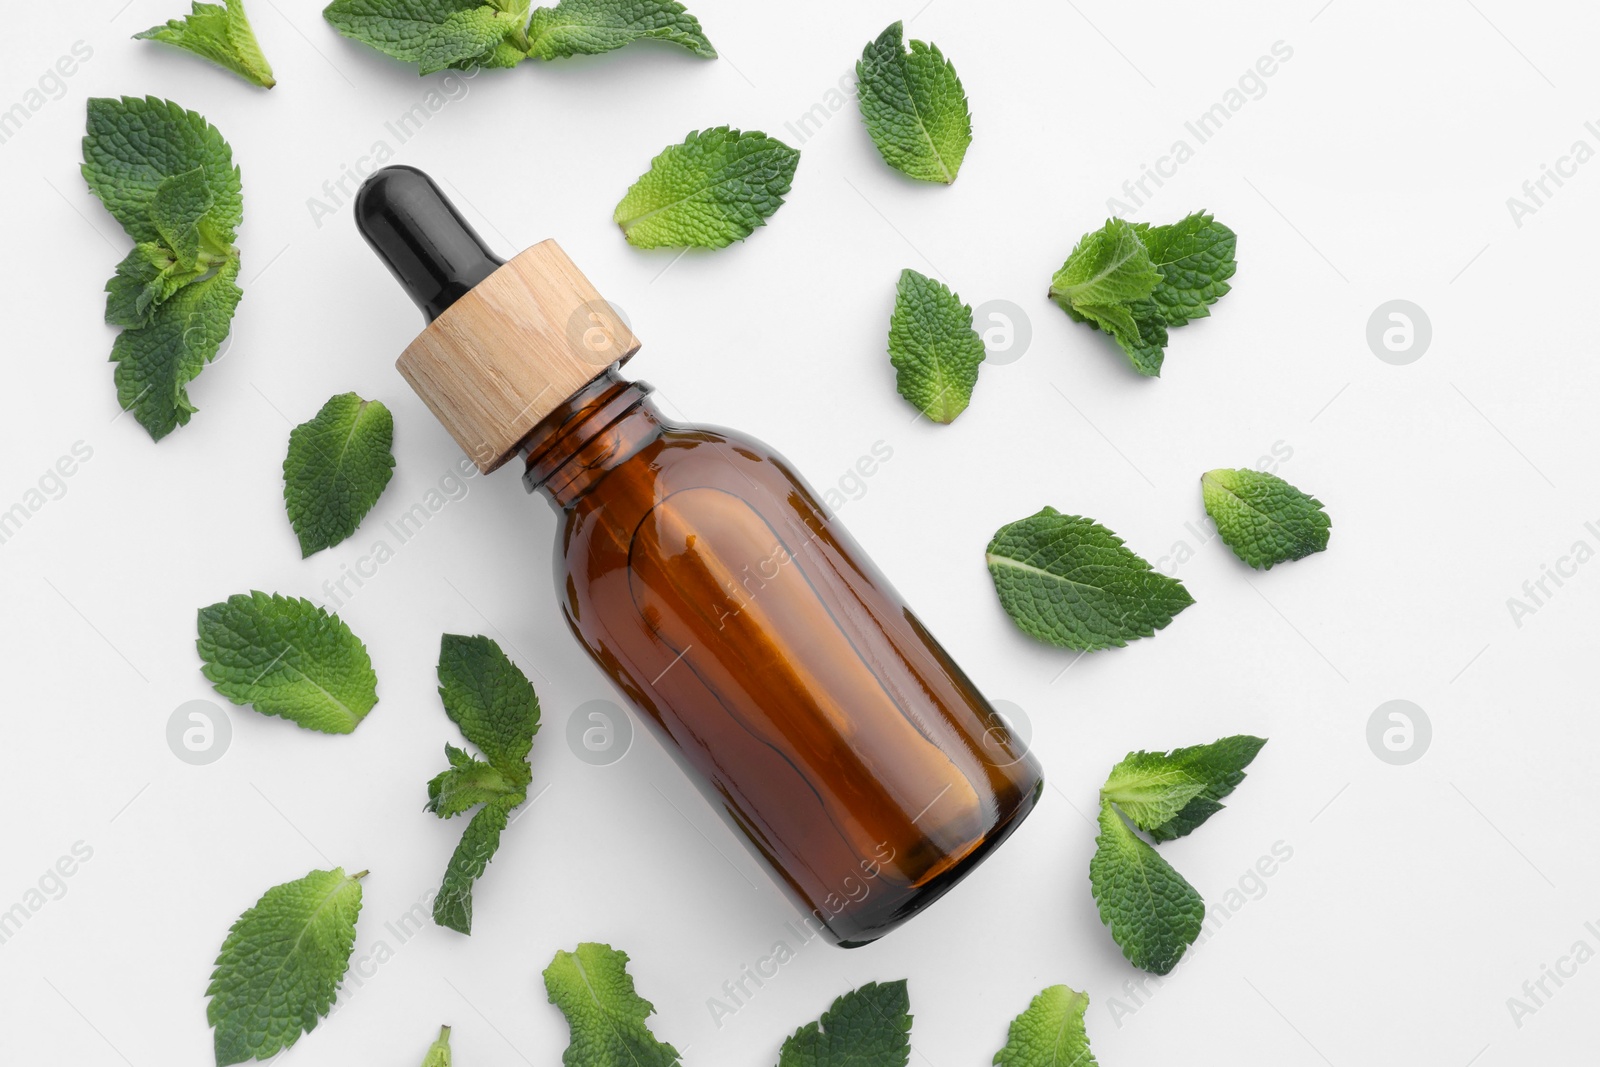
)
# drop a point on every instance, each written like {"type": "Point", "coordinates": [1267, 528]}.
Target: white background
{"type": "Point", "coordinates": [1375, 166]}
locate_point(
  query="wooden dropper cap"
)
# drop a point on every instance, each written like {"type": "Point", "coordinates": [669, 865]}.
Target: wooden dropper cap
{"type": "Point", "coordinates": [506, 342]}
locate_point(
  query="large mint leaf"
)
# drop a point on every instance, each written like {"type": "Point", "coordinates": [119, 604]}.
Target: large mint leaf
{"type": "Point", "coordinates": [914, 107]}
{"type": "Point", "coordinates": [337, 466]}
{"type": "Point", "coordinates": [281, 965]}
{"type": "Point", "coordinates": [1195, 258]}
{"type": "Point", "coordinates": [593, 989]}
{"type": "Point", "coordinates": [587, 27]}
{"type": "Point", "coordinates": [713, 189]}
{"type": "Point", "coordinates": [288, 658]}
{"type": "Point", "coordinates": [1154, 914]}
{"type": "Point", "coordinates": [933, 347]}
{"type": "Point", "coordinates": [221, 34]}
{"type": "Point", "coordinates": [1050, 1033]}
{"type": "Point", "coordinates": [866, 1026]}
{"type": "Point", "coordinates": [1263, 518]}
{"type": "Point", "coordinates": [133, 145]}
{"type": "Point", "coordinates": [1070, 581]}
{"type": "Point", "coordinates": [408, 30]}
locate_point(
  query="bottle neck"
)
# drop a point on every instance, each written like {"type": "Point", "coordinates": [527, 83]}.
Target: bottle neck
{"type": "Point", "coordinates": [588, 434]}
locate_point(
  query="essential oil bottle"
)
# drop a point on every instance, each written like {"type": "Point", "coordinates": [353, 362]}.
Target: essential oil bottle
{"type": "Point", "coordinates": [707, 580]}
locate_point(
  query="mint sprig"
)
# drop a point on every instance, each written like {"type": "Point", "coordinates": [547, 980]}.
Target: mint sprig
{"type": "Point", "coordinates": [281, 965]}
{"type": "Point", "coordinates": [168, 177]}
{"type": "Point", "coordinates": [494, 705]}
{"type": "Point", "coordinates": [220, 33]}
{"type": "Point", "coordinates": [933, 347]}
{"type": "Point", "coordinates": [914, 107]}
{"type": "Point", "coordinates": [1136, 281]}
{"type": "Point", "coordinates": [715, 188]}
{"type": "Point", "coordinates": [464, 34]}
{"type": "Point", "coordinates": [337, 466]}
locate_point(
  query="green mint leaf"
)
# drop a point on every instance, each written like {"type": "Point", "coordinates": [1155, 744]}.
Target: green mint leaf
{"type": "Point", "coordinates": [1107, 281]}
{"type": "Point", "coordinates": [593, 989]}
{"type": "Point", "coordinates": [914, 107]}
{"type": "Point", "coordinates": [1137, 327]}
{"type": "Point", "coordinates": [221, 35]}
{"type": "Point", "coordinates": [452, 908]}
{"type": "Point", "coordinates": [867, 1026]}
{"type": "Point", "coordinates": [412, 31]}
{"type": "Point", "coordinates": [439, 1052]}
{"type": "Point", "coordinates": [133, 145]}
{"type": "Point", "coordinates": [462, 37]}
{"type": "Point", "coordinates": [181, 203]}
{"type": "Point", "coordinates": [180, 335]}
{"type": "Point", "coordinates": [1050, 1033]}
{"type": "Point", "coordinates": [1195, 258]}
{"type": "Point", "coordinates": [494, 705]}
{"type": "Point", "coordinates": [281, 965]}
{"type": "Point", "coordinates": [588, 27]}
{"type": "Point", "coordinates": [491, 701]}
{"type": "Point", "coordinates": [288, 658]}
{"type": "Point", "coordinates": [147, 276]}
{"type": "Point", "coordinates": [337, 466]}
{"type": "Point", "coordinates": [1263, 518]}
{"type": "Point", "coordinates": [468, 783]}
{"type": "Point", "coordinates": [713, 189]}
{"type": "Point", "coordinates": [933, 347]}
{"type": "Point", "coordinates": [1154, 914]}
{"type": "Point", "coordinates": [1069, 581]}
{"type": "Point", "coordinates": [1168, 794]}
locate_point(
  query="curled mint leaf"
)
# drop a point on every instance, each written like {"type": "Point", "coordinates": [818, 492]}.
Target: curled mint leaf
{"type": "Point", "coordinates": [220, 33]}
{"type": "Point", "coordinates": [494, 705]}
{"type": "Point", "coordinates": [337, 466]}
{"type": "Point", "coordinates": [587, 27]}
{"type": "Point", "coordinates": [281, 965]}
{"type": "Point", "coordinates": [1263, 518]}
{"type": "Point", "coordinates": [869, 1025]}
{"type": "Point", "coordinates": [592, 988]}
{"type": "Point", "coordinates": [1050, 1033]}
{"type": "Point", "coordinates": [914, 107]}
{"type": "Point", "coordinates": [168, 177]}
{"type": "Point", "coordinates": [933, 347]}
{"type": "Point", "coordinates": [713, 189]}
{"type": "Point", "coordinates": [1153, 913]}
{"type": "Point", "coordinates": [1168, 794]}
{"type": "Point", "coordinates": [289, 658]}
{"type": "Point", "coordinates": [1069, 581]}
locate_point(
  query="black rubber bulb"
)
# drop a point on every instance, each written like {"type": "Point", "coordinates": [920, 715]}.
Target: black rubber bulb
{"type": "Point", "coordinates": [423, 239]}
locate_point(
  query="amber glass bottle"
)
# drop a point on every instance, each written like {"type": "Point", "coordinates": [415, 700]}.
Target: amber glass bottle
{"type": "Point", "coordinates": [706, 579]}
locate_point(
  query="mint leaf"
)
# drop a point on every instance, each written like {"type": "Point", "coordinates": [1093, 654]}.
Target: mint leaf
{"type": "Point", "coordinates": [1168, 794]}
{"type": "Point", "coordinates": [417, 31]}
{"type": "Point", "coordinates": [1263, 518]}
{"type": "Point", "coordinates": [179, 336]}
{"type": "Point", "coordinates": [439, 1052]}
{"type": "Point", "coordinates": [1069, 581]}
{"type": "Point", "coordinates": [866, 1026]}
{"type": "Point", "coordinates": [933, 347]}
{"type": "Point", "coordinates": [221, 35]}
{"type": "Point", "coordinates": [1154, 914]}
{"type": "Point", "coordinates": [1195, 258]}
{"type": "Point", "coordinates": [337, 466]}
{"type": "Point", "coordinates": [914, 107]}
{"type": "Point", "coordinates": [1109, 267]}
{"type": "Point", "coordinates": [593, 989]}
{"type": "Point", "coordinates": [461, 37]}
{"type": "Point", "coordinates": [1050, 1033]}
{"type": "Point", "coordinates": [1138, 327]}
{"type": "Point", "coordinates": [288, 658]}
{"type": "Point", "coordinates": [713, 189]}
{"type": "Point", "coordinates": [168, 177]}
{"type": "Point", "coordinates": [587, 27]}
{"type": "Point", "coordinates": [494, 705]}
{"type": "Point", "coordinates": [281, 965]}
{"type": "Point", "coordinates": [133, 145]}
